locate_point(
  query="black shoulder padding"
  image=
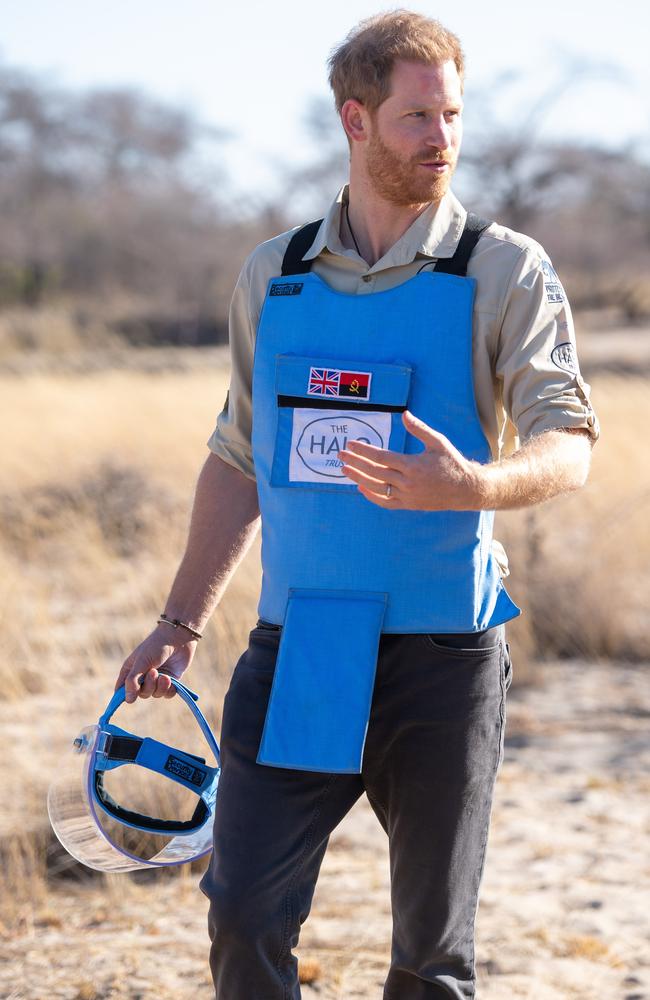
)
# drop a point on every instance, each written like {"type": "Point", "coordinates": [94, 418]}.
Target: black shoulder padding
{"type": "Point", "coordinates": [298, 246]}
{"type": "Point", "coordinates": [474, 226]}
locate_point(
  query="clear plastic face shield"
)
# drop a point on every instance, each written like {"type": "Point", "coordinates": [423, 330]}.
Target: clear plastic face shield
{"type": "Point", "coordinates": [111, 837]}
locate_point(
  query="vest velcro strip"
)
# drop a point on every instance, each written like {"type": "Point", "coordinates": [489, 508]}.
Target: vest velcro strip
{"type": "Point", "coordinates": [320, 403]}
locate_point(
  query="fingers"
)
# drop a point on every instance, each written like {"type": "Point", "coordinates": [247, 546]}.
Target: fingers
{"type": "Point", "coordinates": [149, 671]}
{"type": "Point", "coordinates": [376, 483]}
{"type": "Point", "coordinates": [148, 683]}
{"type": "Point", "coordinates": [380, 499]}
{"type": "Point", "coordinates": [164, 686]}
{"type": "Point", "coordinates": [431, 438]}
{"type": "Point", "coordinates": [142, 679]}
{"type": "Point", "coordinates": [420, 430]}
{"type": "Point", "coordinates": [392, 460]}
{"type": "Point", "coordinates": [371, 465]}
{"type": "Point", "coordinates": [151, 683]}
{"type": "Point", "coordinates": [133, 685]}
{"type": "Point", "coordinates": [156, 684]}
{"type": "Point", "coordinates": [366, 466]}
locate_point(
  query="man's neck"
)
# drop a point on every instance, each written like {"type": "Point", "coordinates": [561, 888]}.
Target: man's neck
{"type": "Point", "coordinates": [375, 224]}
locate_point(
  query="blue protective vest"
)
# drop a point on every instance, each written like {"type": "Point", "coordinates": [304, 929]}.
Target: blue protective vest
{"type": "Point", "coordinates": [337, 569]}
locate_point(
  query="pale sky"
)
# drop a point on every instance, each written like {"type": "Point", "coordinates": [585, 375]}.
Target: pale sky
{"type": "Point", "coordinates": [251, 66]}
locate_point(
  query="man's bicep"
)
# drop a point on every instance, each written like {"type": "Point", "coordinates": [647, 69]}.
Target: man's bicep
{"type": "Point", "coordinates": [537, 361]}
{"type": "Point", "coordinates": [231, 438]}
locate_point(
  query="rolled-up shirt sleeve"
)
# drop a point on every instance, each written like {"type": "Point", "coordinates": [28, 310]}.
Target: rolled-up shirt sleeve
{"type": "Point", "coordinates": [231, 438]}
{"type": "Point", "coordinates": [537, 362]}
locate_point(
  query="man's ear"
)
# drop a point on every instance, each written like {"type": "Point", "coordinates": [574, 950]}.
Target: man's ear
{"type": "Point", "coordinates": [355, 119]}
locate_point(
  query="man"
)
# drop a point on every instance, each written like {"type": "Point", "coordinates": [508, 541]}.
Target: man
{"type": "Point", "coordinates": [382, 361]}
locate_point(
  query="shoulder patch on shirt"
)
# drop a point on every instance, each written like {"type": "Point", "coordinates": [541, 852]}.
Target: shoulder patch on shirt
{"type": "Point", "coordinates": [552, 284]}
{"type": "Point", "coordinates": [564, 356]}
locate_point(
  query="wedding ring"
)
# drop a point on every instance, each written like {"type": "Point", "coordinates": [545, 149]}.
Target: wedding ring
{"type": "Point", "coordinates": [389, 490]}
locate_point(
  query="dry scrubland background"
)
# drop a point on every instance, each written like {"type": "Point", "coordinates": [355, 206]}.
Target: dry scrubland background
{"type": "Point", "coordinates": [98, 471]}
{"type": "Point", "coordinates": [118, 251]}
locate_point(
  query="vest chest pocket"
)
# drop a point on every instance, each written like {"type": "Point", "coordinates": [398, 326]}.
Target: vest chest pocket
{"type": "Point", "coordinates": [322, 403]}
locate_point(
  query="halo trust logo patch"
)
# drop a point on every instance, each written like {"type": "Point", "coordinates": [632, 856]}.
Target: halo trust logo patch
{"type": "Point", "coordinates": [319, 435]}
{"type": "Point", "coordinates": [564, 356]}
{"type": "Point", "coordinates": [322, 439]}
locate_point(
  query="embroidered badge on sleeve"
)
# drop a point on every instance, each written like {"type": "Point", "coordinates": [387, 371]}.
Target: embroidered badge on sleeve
{"type": "Point", "coordinates": [552, 284]}
{"type": "Point", "coordinates": [564, 356]}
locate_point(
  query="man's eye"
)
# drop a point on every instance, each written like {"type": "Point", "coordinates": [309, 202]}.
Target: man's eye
{"type": "Point", "coordinates": [417, 114]}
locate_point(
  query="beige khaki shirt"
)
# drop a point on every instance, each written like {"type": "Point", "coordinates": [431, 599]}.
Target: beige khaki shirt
{"type": "Point", "coordinates": [526, 376]}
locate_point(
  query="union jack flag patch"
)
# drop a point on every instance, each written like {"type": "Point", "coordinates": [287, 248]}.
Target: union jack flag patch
{"type": "Point", "coordinates": [323, 382]}
{"type": "Point", "coordinates": [334, 382]}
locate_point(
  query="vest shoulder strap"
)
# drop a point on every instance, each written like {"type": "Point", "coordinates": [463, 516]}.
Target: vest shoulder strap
{"type": "Point", "coordinates": [299, 244]}
{"type": "Point", "coordinates": [303, 238]}
{"type": "Point", "coordinates": [474, 226]}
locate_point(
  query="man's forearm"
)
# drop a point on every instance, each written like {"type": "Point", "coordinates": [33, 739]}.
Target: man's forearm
{"type": "Point", "coordinates": [225, 519]}
{"type": "Point", "coordinates": [552, 463]}
{"type": "Point", "coordinates": [441, 478]}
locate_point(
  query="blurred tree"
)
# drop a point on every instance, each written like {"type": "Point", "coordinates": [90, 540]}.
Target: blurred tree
{"type": "Point", "coordinates": [132, 138]}
{"type": "Point", "coordinates": [115, 197]}
{"type": "Point", "coordinates": [311, 186]}
{"type": "Point", "coordinates": [120, 201]}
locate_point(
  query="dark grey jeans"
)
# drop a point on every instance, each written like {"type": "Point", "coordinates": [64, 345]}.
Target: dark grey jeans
{"type": "Point", "coordinates": [434, 744]}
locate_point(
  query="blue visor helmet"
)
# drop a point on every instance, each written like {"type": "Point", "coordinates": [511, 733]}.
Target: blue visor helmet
{"type": "Point", "coordinates": [79, 804]}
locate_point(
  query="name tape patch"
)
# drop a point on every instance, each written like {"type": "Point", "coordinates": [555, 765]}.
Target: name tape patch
{"type": "Point", "coordinates": [188, 772]}
{"type": "Point", "coordinates": [336, 382]}
{"type": "Point", "coordinates": [552, 284]}
{"type": "Point", "coordinates": [287, 288]}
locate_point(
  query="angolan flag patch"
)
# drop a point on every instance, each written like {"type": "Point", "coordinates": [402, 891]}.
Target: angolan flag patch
{"type": "Point", "coordinates": [335, 382]}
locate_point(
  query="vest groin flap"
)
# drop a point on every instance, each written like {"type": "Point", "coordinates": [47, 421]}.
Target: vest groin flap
{"type": "Point", "coordinates": [324, 676]}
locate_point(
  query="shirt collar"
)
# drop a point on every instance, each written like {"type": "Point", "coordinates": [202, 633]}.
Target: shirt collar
{"type": "Point", "coordinates": [435, 233]}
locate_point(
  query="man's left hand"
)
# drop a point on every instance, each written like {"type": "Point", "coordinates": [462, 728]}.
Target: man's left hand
{"type": "Point", "coordinates": [438, 478]}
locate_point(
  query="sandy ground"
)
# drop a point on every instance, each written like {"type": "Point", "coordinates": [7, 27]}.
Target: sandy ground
{"type": "Point", "coordinates": [564, 905]}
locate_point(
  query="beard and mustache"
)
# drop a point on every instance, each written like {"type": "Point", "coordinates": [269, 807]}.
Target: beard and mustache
{"type": "Point", "coordinates": [398, 180]}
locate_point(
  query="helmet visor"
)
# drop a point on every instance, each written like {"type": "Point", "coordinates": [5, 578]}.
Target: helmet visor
{"type": "Point", "coordinates": [89, 834]}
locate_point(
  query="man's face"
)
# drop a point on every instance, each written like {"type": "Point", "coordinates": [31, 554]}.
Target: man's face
{"type": "Point", "coordinates": [415, 134]}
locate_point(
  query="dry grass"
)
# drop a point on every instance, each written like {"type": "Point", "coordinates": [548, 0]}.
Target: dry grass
{"type": "Point", "coordinates": [98, 473]}
{"type": "Point", "coordinates": [581, 563]}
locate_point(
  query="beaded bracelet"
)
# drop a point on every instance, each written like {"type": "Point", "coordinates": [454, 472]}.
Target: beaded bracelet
{"type": "Point", "coordinates": [176, 623]}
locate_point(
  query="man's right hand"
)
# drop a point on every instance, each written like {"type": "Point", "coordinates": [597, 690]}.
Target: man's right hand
{"type": "Point", "coordinates": [145, 673]}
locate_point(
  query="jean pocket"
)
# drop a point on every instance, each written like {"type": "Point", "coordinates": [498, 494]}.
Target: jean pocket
{"type": "Point", "coordinates": [507, 666]}
{"type": "Point", "coordinates": [465, 643]}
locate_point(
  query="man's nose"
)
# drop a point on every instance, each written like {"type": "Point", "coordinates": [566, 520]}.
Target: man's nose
{"type": "Point", "coordinates": [439, 135]}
